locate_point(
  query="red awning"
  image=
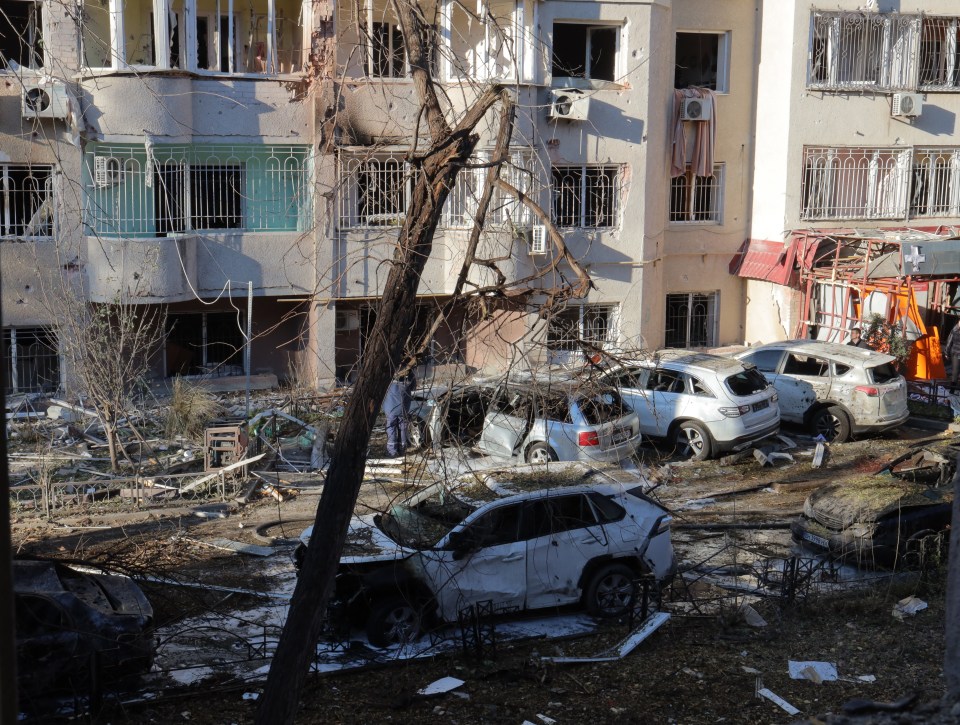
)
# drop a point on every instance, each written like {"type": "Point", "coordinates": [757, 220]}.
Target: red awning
{"type": "Point", "coordinates": [765, 260]}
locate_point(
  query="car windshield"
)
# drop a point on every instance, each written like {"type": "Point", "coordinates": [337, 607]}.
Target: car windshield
{"type": "Point", "coordinates": [602, 406]}
{"type": "Point", "coordinates": [747, 382]}
{"type": "Point", "coordinates": [884, 373]}
{"type": "Point", "coordinates": [422, 520]}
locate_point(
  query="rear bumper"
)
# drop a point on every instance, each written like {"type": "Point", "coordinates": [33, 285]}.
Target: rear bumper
{"type": "Point", "coordinates": [745, 440]}
{"type": "Point", "coordinates": [880, 424]}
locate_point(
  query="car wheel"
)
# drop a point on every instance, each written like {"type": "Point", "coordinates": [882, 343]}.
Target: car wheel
{"type": "Point", "coordinates": [693, 441]}
{"type": "Point", "coordinates": [832, 423]}
{"type": "Point", "coordinates": [393, 620]}
{"type": "Point", "coordinates": [541, 453]}
{"type": "Point", "coordinates": [610, 591]}
{"type": "Point", "coordinates": [418, 434]}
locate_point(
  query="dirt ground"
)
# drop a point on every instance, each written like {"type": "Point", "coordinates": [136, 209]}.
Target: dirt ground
{"type": "Point", "coordinates": [701, 667]}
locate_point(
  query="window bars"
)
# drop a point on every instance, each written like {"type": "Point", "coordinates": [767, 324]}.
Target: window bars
{"type": "Point", "coordinates": [855, 183]}
{"type": "Point", "coordinates": [572, 326]}
{"type": "Point", "coordinates": [134, 192]}
{"type": "Point", "coordinates": [697, 198]}
{"type": "Point", "coordinates": [940, 54]}
{"type": "Point", "coordinates": [586, 196]}
{"type": "Point", "coordinates": [31, 360]}
{"type": "Point", "coordinates": [26, 202]}
{"type": "Point", "coordinates": [935, 182]}
{"type": "Point", "coordinates": [691, 319]}
{"type": "Point", "coordinates": [520, 171]}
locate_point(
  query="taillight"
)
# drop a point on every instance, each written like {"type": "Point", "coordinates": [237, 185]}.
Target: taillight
{"type": "Point", "coordinates": [869, 390]}
{"type": "Point", "coordinates": [735, 412]}
{"type": "Point", "coordinates": [589, 438]}
{"type": "Point", "coordinates": [775, 398]}
{"type": "Point", "coordinates": [663, 525]}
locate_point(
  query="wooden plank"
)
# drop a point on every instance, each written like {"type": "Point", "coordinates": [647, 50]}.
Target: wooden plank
{"type": "Point", "coordinates": [216, 474]}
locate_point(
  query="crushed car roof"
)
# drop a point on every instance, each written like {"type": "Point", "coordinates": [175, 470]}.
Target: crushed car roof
{"type": "Point", "coordinates": [699, 360]}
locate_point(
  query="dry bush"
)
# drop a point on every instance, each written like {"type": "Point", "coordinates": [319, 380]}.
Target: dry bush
{"type": "Point", "coordinates": [191, 408]}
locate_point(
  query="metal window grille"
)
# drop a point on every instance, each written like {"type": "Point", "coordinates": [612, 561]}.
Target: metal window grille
{"type": "Point", "coordinates": [573, 326]}
{"type": "Point", "coordinates": [858, 51]}
{"type": "Point", "coordinates": [374, 190]}
{"type": "Point", "coordinates": [31, 360]}
{"type": "Point", "coordinates": [940, 54]}
{"type": "Point", "coordinates": [505, 210]}
{"type": "Point", "coordinates": [935, 182]}
{"type": "Point", "coordinates": [200, 341]}
{"type": "Point", "coordinates": [586, 196]}
{"type": "Point", "coordinates": [134, 192]}
{"type": "Point", "coordinates": [26, 196]}
{"type": "Point", "coordinates": [691, 319]}
{"type": "Point", "coordinates": [855, 183]}
{"type": "Point", "coordinates": [697, 198]}
{"type": "Point", "coordinates": [386, 56]}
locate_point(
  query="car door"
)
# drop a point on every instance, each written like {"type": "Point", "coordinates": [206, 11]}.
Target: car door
{"type": "Point", "coordinates": [487, 563]}
{"type": "Point", "coordinates": [507, 422]}
{"type": "Point", "coordinates": [564, 534]}
{"type": "Point", "coordinates": [632, 383]}
{"type": "Point", "coordinates": [802, 381]}
{"type": "Point", "coordinates": [665, 391]}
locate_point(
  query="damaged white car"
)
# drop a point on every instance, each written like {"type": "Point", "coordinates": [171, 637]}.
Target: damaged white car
{"type": "Point", "coordinates": [444, 549]}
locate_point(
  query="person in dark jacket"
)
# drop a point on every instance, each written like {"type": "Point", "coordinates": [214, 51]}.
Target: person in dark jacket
{"type": "Point", "coordinates": [857, 341]}
{"type": "Point", "coordinates": [396, 406]}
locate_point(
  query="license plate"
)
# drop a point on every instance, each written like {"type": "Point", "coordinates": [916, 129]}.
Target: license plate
{"type": "Point", "coordinates": [761, 405]}
{"type": "Point", "coordinates": [621, 434]}
{"type": "Point", "coordinates": [814, 539]}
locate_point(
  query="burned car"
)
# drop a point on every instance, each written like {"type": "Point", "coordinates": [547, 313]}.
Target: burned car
{"type": "Point", "coordinates": [562, 419]}
{"type": "Point", "coordinates": [75, 629]}
{"type": "Point", "coordinates": [887, 523]}
{"type": "Point", "coordinates": [447, 548]}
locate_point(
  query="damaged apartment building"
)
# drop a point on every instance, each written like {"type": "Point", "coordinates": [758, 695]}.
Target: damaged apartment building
{"type": "Point", "coordinates": [179, 153]}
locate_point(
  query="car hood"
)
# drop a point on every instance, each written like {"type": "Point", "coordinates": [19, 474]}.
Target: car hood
{"type": "Point", "coordinates": [365, 543]}
{"type": "Point", "coordinates": [839, 505]}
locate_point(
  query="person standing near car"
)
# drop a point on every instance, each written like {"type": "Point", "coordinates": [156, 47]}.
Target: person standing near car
{"type": "Point", "coordinates": [952, 351]}
{"type": "Point", "coordinates": [396, 406]}
{"type": "Point", "coordinates": [857, 341]}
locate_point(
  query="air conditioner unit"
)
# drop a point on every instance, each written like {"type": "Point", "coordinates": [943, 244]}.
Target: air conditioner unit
{"type": "Point", "coordinates": [347, 320]}
{"type": "Point", "coordinates": [106, 171]}
{"type": "Point", "coordinates": [695, 109]}
{"type": "Point", "coordinates": [569, 104]}
{"type": "Point", "coordinates": [907, 104]}
{"type": "Point", "coordinates": [44, 100]}
{"type": "Point", "coordinates": [538, 239]}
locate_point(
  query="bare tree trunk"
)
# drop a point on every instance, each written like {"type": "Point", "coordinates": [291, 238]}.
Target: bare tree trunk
{"type": "Point", "coordinates": [951, 662]}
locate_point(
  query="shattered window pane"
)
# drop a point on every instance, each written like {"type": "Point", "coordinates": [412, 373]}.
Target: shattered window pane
{"type": "Point", "coordinates": [21, 39]}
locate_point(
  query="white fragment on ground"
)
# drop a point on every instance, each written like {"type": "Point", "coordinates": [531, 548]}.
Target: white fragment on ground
{"type": "Point", "coordinates": [907, 607]}
{"type": "Point", "coordinates": [698, 503]}
{"type": "Point", "coordinates": [867, 678]}
{"type": "Point", "coordinates": [444, 684]}
{"type": "Point", "coordinates": [546, 720]}
{"type": "Point", "coordinates": [777, 700]}
{"type": "Point", "coordinates": [814, 671]}
{"type": "Point", "coordinates": [251, 695]}
{"type": "Point", "coordinates": [751, 616]}
{"type": "Point", "coordinates": [191, 675]}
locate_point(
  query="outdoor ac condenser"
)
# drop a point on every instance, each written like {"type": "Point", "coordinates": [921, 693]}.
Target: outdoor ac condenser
{"type": "Point", "coordinates": [907, 105]}
{"type": "Point", "coordinates": [695, 109]}
{"type": "Point", "coordinates": [44, 100]}
{"type": "Point", "coordinates": [569, 104]}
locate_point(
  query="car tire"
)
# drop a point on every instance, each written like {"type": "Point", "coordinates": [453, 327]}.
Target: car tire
{"type": "Point", "coordinates": [393, 620]}
{"type": "Point", "coordinates": [832, 423]}
{"type": "Point", "coordinates": [418, 434]}
{"type": "Point", "coordinates": [692, 440]}
{"type": "Point", "coordinates": [541, 453]}
{"type": "Point", "coordinates": [610, 591]}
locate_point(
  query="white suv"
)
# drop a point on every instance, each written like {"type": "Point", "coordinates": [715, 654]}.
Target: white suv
{"type": "Point", "coordinates": [447, 548]}
{"type": "Point", "coordinates": [705, 403]}
{"type": "Point", "coordinates": [834, 390]}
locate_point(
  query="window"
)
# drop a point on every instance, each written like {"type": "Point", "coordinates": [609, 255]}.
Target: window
{"type": "Point", "coordinates": [489, 39]}
{"type": "Point", "coordinates": [505, 210]}
{"type": "Point", "coordinates": [375, 190]}
{"type": "Point", "coordinates": [767, 361]}
{"type": "Point", "coordinates": [386, 55]}
{"type": "Point", "coordinates": [697, 198]}
{"type": "Point", "coordinates": [177, 189]}
{"type": "Point", "coordinates": [585, 51]}
{"type": "Point", "coordinates": [701, 61]}
{"type": "Point", "coordinates": [807, 365]}
{"type": "Point", "coordinates": [26, 201]}
{"type": "Point", "coordinates": [940, 54]}
{"type": "Point", "coordinates": [496, 527]}
{"type": "Point", "coordinates": [691, 319]}
{"type": "Point", "coordinates": [572, 328]}
{"type": "Point", "coordinates": [935, 182]}
{"type": "Point", "coordinates": [21, 34]}
{"type": "Point", "coordinates": [855, 183]}
{"type": "Point", "coordinates": [666, 381]}
{"type": "Point", "coordinates": [260, 37]}
{"type": "Point", "coordinates": [203, 342]}
{"type": "Point", "coordinates": [586, 196]}
{"type": "Point", "coordinates": [31, 361]}
{"type": "Point", "coordinates": [559, 513]}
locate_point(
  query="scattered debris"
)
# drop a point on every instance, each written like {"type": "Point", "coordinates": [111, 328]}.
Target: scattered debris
{"type": "Point", "coordinates": [907, 607]}
{"type": "Point", "coordinates": [439, 687]}
{"type": "Point", "coordinates": [858, 706]}
{"type": "Point", "coordinates": [751, 616]}
{"type": "Point", "coordinates": [817, 672]}
{"type": "Point", "coordinates": [251, 695]}
{"type": "Point", "coordinates": [650, 625]}
{"type": "Point", "coordinates": [764, 692]}
{"type": "Point", "coordinates": [818, 454]}
{"type": "Point", "coordinates": [238, 547]}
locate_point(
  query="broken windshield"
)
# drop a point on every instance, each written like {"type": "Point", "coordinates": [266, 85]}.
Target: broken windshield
{"type": "Point", "coordinates": [424, 519]}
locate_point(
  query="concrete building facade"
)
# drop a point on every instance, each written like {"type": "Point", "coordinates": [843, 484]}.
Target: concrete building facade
{"type": "Point", "coordinates": [269, 146]}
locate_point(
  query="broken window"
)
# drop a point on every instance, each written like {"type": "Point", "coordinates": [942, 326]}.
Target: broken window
{"type": "Point", "coordinates": [855, 183]}
{"type": "Point", "coordinates": [586, 196]}
{"type": "Point", "coordinates": [387, 56]}
{"type": "Point", "coordinates": [21, 34]}
{"type": "Point", "coordinates": [697, 198]}
{"type": "Point", "coordinates": [692, 319]}
{"type": "Point", "coordinates": [182, 188]}
{"type": "Point", "coordinates": [940, 54]}
{"type": "Point", "coordinates": [375, 190]}
{"type": "Point", "coordinates": [505, 210]}
{"type": "Point", "coordinates": [573, 327]}
{"type": "Point", "coordinates": [205, 342]}
{"type": "Point", "coordinates": [488, 39]}
{"type": "Point", "coordinates": [585, 51]}
{"type": "Point", "coordinates": [935, 182]}
{"type": "Point", "coordinates": [31, 360]}
{"type": "Point", "coordinates": [263, 37]}
{"type": "Point", "coordinates": [701, 61]}
{"type": "Point", "coordinates": [26, 201]}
